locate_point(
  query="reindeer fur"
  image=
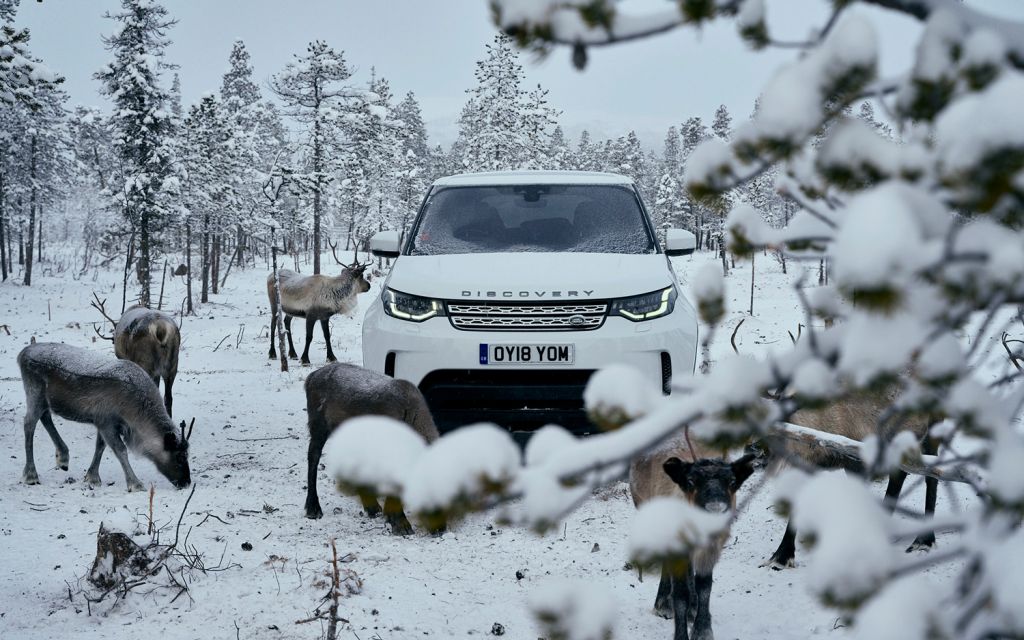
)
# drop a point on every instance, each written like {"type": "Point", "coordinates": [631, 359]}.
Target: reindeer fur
{"type": "Point", "coordinates": [315, 298]}
{"type": "Point", "coordinates": [339, 391]}
{"type": "Point", "coordinates": [117, 396]}
{"type": "Point", "coordinates": [151, 340]}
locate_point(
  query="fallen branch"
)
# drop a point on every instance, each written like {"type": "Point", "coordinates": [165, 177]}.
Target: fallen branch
{"type": "Point", "coordinates": [849, 449]}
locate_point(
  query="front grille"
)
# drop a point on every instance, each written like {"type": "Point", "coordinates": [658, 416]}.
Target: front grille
{"type": "Point", "coordinates": [516, 400]}
{"type": "Point", "coordinates": [531, 317]}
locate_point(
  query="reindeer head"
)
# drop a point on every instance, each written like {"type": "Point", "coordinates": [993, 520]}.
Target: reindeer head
{"type": "Point", "coordinates": [710, 484]}
{"type": "Point", "coordinates": [356, 269]}
{"type": "Point", "coordinates": [173, 464]}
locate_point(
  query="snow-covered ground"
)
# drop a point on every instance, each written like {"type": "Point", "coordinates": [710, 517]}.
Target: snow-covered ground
{"type": "Point", "coordinates": [248, 464]}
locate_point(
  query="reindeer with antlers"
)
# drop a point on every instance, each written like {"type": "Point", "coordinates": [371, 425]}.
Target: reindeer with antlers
{"type": "Point", "coordinates": [315, 298]}
{"type": "Point", "coordinates": [148, 338]}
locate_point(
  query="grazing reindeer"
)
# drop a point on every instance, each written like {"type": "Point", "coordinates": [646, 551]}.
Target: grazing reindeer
{"type": "Point", "coordinates": [709, 483]}
{"type": "Point", "coordinates": [337, 392]}
{"type": "Point", "coordinates": [148, 338]}
{"type": "Point", "coordinates": [315, 298]}
{"type": "Point", "coordinates": [115, 395]}
{"type": "Point", "coordinates": [855, 417]}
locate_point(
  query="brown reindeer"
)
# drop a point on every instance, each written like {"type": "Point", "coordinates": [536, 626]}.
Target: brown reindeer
{"type": "Point", "coordinates": [148, 338]}
{"type": "Point", "coordinates": [339, 391]}
{"type": "Point", "coordinates": [855, 417]}
{"type": "Point", "coordinates": [709, 483]}
{"type": "Point", "coordinates": [315, 298]}
{"type": "Point", "coordinates": [116, 396]}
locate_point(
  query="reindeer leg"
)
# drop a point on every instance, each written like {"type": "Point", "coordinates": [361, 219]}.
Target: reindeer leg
{"type": "Point", "coordinates": [288, 332]}
{"type": "Point", "coordinates": [395, 515]}
{"type": "Point", "coordinates": [680, 603]}
{"type": "Point", "coordinates": [29, 475]}
{"type": "Point", "coordinates": [310, 325]}
{"type": "Point", "coordinates": [316, 447]}
{"type": "Point", "coordinates": [785, 556]}
{"type": "Point", "coordinates": [370, 505]}
{"type": "Point", "coordinates": [663, 601]}
{"type": "Point", "coordinates": [325, 324]}
{"type": "Point", "coordinates": [702, 598]}
{"type": "Point", "coordinates": [893, 489]}
{"type": "Point", "coordinates": [926, 541]}
{"type": "Point", "coordinates": [62, 449]}
{"type": "Point", "coordinates": [109, 433]}
{"type": "Point", "coordinates": [168, 400]}
{"type": "Point", "coordinates": [92, 476]}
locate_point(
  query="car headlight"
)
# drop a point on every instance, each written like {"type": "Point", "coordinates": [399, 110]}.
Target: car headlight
{"type": "Point", "coordinates": [647, 306]}
{"type": "Point", "coordinates": [410, 307]}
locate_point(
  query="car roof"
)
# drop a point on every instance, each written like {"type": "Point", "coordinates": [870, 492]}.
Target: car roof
{"type": "Point", "coordinates": [495, 178]}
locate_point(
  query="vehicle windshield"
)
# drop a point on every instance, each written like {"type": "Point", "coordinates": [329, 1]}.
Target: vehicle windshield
{"type": "Point", "coordinates": [538, 218]}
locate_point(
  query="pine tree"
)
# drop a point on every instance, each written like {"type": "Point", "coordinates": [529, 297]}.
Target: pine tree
{"type": "Point", "coordinates": [46, 145]}
{"type": "Point", "coordinates": [559, 154]}
{"type": "Point", "coordinates": [586, 154]}
{"type": "Point", "coordinates": [671, 152]}
{"type": "Point", "coordinates": [491, 126]}
{"type": "Point", "coordinates": [312, 88]}
{"type": "Point", "coordinates": [722, 124]}
{"type": "Point", "coordinates": [414, 158]}
{"type": "Point", "coordinates": [538, 119]}
{"type": "Point", "coordinates": [20, 73]}
{"type": "Point", "coordinates": [142, 125]}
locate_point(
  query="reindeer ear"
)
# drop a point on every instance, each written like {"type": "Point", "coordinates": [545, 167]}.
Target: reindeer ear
{"type": "Point", "coordinates": [742, 469]}
{"type": "Point", "coordinates": [170, 441]}
{"type": "Point", "coordinates": [679, 471]}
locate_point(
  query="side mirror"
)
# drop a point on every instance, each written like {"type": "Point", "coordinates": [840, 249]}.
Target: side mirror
{"type": "Point", "coordinates": [679, 242]}
{"type": "Point", "coordinates": [385, 244]}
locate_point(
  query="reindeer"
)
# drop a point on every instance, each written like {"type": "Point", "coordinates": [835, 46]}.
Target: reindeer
{"type": "Point", "coordinates": [709, 483]}
{"type": "Point", "coordinates": [148, 338]}
{"type": "Point", "coordinates": [855, 417]}
{"type": "Point", "coordinates": [315, 298]}
{"type": "Point", "coordinates": [337, 392]}
{"type": "Point", "coordinates": [116, 396]}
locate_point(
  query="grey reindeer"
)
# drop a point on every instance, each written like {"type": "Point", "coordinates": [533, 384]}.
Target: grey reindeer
{"type": "Point", "coordinates": [117, 396]}
{"type": "Point", "coordinates": [339, 391]}
{"type": "Point", "coordinates": [855, 417]}
{"type": "Point", "coordinates": [709, 483]}
{"type": "Point", "coordinates": [150, 339]}
{"type": "Point", "coordinates": [315, 298]}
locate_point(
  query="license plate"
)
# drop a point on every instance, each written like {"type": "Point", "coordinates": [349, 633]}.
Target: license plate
{"type": "Point", "coordinates": [499, 354]}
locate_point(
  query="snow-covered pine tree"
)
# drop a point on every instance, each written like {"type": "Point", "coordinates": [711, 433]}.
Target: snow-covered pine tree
{"type": "Point", "coordinates": [492, 135]}
{"type": "Point", "coordinates": [558, 151]}
{"type": "Point", "coordinates": [539, 118]}
{"type": "Point", "coordinates": [721, 126]}
{"type": "Point", "coordinates": [92, 167]}
{"type": "Point", "coordinates": [671, 154]}
{"type": "Point", "coordinates": [210, 161]}
{"type": "Point", "coordinates": [142, 126]}
{"type": "Point", "coordinates": [313, 89]}
{"type": "Point", "coordinates": [414, 158]}
{"type": "Point", "coordinates": [587, 156]}
{"type": "Point", "coordinates": [20, 73]}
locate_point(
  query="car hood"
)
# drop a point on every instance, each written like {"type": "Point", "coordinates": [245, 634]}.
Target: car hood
{"type": "Point", "coordinates": [537, 277]}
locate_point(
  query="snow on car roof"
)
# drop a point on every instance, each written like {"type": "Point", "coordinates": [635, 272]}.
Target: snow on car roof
{"type": "Point", "coordinates": [492, 178]}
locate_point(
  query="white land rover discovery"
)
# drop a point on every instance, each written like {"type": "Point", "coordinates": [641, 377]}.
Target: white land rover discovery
{"type": "Point", "coordinates": [513, 288]}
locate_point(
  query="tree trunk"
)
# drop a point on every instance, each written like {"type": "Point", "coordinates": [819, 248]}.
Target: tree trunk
{"type": "Point", "coordinates": [31, 214]}
{"type": "Point", "coordinates": [204, 295]}
{"type": "Point", "coordinates": [753, 255]}
{"type": "Point", "coordinates": [188, 268]}
{"type": "Point", "coordinates": [215, 263]}
{"type": "Point", "coordinates": [3, 230]}
{"type": "Point", "coordinates": [317, 168]}
{"type": "Point", "coordinates": [144, 256]}
{"type": "Point", "coordinates": [39, 243]}
{"type": "Point", "coordinates": [21, 244]}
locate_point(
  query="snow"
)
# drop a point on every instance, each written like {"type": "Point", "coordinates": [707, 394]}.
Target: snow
{"type": "Point", "coordinates": [1006, 479]}
{"type": "Point", "coordinates": [940, 359]}
{"type": "Point", "coordinates": [979, 125]}
{"type": "Point", "coordinates": [465, 464]}
{"type": "Point", "coordinates": [456, 585]}
{"type": "Point", "coordinates": [852, 553]}
{"type": "Point", "coordinates": [1004, 564]}
{"type": "Point", "coordinates": [814, 379]}
{"type": "Point", "coordinates": [874, 345]}
{"type": "Point", "coordinates": [667, 527]}
{"type": "Point", "coordinates": [577, 610]}
{"type": "Point", "coordinates": [750, 15]}
{"type": "Point", "coordinates": [983, 47]}
{"type": "Point", "coordinates": [709, 164]}
{"type": "Point", "coordinates": [492, 178]}
{"type": "Point", "coordinates": [375, 452]}
{"type": "Point", "coordinates": [903, 610]}
{"type": "Point", "coordinates": [903, 445]}
{"type": "Point", "coordinates": [546, 440]}
{"type": "Point", "coordinates": [620, 393]}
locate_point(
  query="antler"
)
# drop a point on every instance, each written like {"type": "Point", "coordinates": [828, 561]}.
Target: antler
{"type": "Point", "coordinates": [334, 252]}
{"type": "Point", "coordinates": [100, 305]}
{"type": "Point", "coordinates": [185, 436]}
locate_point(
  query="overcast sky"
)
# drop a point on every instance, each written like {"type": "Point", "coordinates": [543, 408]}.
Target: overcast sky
{"type": "Point", "coordinates": [430, 46]}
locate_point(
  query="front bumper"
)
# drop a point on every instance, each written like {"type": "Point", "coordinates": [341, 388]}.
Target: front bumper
{"type": "Point", "coordinates": [444, 362]}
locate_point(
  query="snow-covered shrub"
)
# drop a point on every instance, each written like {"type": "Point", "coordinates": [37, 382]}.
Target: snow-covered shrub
{"type": "Point", "coordinates": [923, 235]}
